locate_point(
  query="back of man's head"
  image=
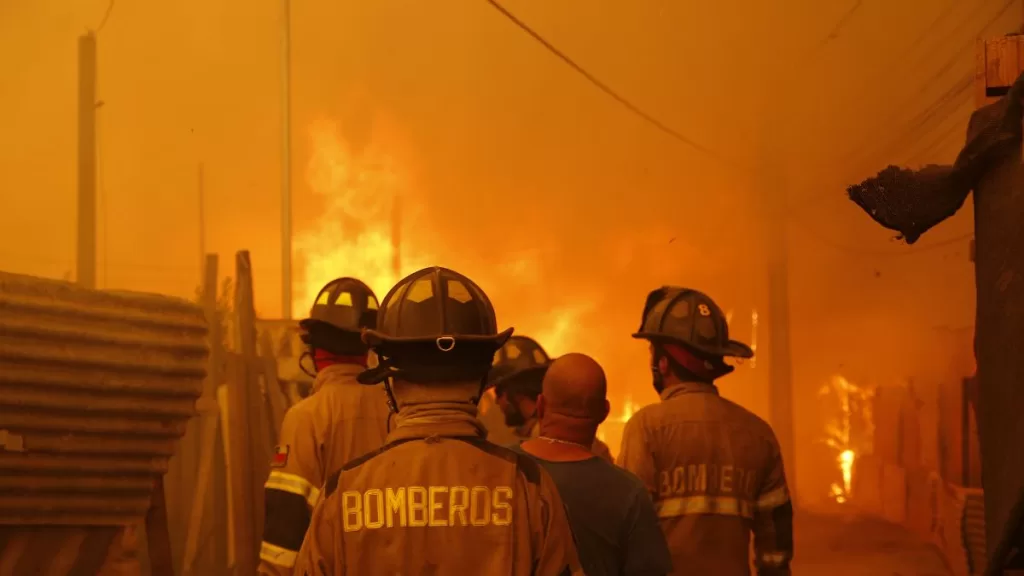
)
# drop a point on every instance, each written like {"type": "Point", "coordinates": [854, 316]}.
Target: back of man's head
{"type": "Point", "coordinates": [575, 392]}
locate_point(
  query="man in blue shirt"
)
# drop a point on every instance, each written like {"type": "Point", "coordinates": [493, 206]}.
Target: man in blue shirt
{"type": "Point", "coordinates": [610, 509]}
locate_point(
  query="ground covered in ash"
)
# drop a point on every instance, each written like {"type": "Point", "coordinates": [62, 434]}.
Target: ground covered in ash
{"type": "Point", "coordinates": [846, 544]}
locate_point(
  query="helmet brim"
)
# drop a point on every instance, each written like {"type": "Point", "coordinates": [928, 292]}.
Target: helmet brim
{"type": "Point", "coordinates": [533, 371]}
{"type": "Point", "coordinates": [375, 339]}
{"type": "Point", "coordinates": [383, 345]}
{"type": "Point", "coordinates": [731, 349]}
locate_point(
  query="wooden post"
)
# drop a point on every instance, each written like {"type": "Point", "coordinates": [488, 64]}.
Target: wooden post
{"type": "Point", "coordinates": [86, 248]}
{"type": "Point", "coordinates": [228, 430]}
{"type": "Point", "coordinates": [209, 415]}
{"type": "Point", "coordinates": [243, 398]}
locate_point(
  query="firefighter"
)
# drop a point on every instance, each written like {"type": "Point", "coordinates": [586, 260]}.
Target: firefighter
{"type": "Point", "coordinates": [340, 420]}
{"type": "Point", "coordinates": [713, 468]}
{"type": "Point", "coordinates": [437, 498]}
{"type": "Point", "coordinates": [516, 378]}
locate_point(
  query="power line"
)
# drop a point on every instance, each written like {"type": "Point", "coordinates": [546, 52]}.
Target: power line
{"type": "Point", "coordinates": [941, 139]}
{"type": "Point", "coordinates": [106, 15]}
{"type": "Point", "coordinates": [609, 91]}
{"type": "Point", "coordinates": [838, 27]}
{"type": "Point", "coordinates": [688, 141]}
{"type": "Point", "coordinates": [953, 97]}
{"type": "Point", "coordinates": [958, 90]}
{"type": "Point", "coordinates": [912, 251]}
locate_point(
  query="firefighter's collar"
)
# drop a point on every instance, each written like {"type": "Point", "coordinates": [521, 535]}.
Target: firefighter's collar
{"type": "Point", "coordinates": [688, 388]}
{"type": "Point", "coordinates": [335, 373]}
{"type": "Point", "coordinates": [438, 422]}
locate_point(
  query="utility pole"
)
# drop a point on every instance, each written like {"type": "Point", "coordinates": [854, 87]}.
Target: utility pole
{"type": "Point", "coordinates": [86, 247]}
{"type": "Point", "coordinates": [771, 187]}
{"type": "Point", "coordinates": [286, 163]}
{"type": "Point", "coordinates": [202, 226]}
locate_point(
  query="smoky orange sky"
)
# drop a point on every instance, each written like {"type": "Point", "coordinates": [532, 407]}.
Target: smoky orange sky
{"type": "Point", "coordinates": [566, 207]}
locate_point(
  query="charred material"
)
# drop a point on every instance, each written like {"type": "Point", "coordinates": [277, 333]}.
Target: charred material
{"type": "Point", "coordinates": [911, 202]}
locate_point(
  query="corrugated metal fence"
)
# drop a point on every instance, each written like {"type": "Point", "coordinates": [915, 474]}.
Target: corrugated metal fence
{"type": "Point", "coordinates": [95, 391]}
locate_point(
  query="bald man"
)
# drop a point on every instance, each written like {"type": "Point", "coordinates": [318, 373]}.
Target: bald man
{"type": "Point", "coordinates": [610, 509]}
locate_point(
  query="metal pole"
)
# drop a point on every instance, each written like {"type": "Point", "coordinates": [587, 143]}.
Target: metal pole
{"type": "Point", "coordinates": [86, 249]}
{"type": "Point", "coordinates": [286, 163]}
{"type": "Point", "coordinates": [202, 225]}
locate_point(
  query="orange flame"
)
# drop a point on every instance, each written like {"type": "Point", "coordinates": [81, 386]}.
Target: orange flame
{"type": "Point", "coordinates": [354, 237]}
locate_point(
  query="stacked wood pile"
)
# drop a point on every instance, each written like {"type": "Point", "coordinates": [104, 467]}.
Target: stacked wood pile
{"type": "Point", "coordinates": [922, 457]}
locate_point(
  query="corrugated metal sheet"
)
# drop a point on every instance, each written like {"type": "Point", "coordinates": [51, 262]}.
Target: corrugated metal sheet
{"type": "Point", "coordinates": [96, 389]}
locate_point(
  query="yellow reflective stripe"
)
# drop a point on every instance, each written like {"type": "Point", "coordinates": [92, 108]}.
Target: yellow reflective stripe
{"type": "Point", "coordinates": [293, 484]}
{"type": "Point", "coordinates": [773, 499]}
{"type": "Point", "coordinates": [722, 505]}
{"type": "Point", "coordinates": [775, 559]}
{"type": "Point", "coordinates": [277, 555]}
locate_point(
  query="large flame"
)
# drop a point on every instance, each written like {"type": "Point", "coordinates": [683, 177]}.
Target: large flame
{"type": "Point", "coordinates": [853, 411]}
{"type": "Point", "coordinates": [357, 235]}
{"type": "Point", "coordinates": [354, 237]}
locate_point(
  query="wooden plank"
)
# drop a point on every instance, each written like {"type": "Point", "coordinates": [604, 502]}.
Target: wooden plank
{"type": "Point", "coordinates": [200, 500]}
{"type": "Point", "coordinates": [1001, 62]}
{"type": "Point", "coordinates": [207, 434]}
{"type": "Point", "coordinates": [275, 396]}
{"type": "Point", "coordinates": [159, 540]}
{"type": "Point", "coordinates": [244, 404]}
{"type": "Point", "coordinates": [226, 429]}
{"type": "Point", "coordinates": [67, 554]}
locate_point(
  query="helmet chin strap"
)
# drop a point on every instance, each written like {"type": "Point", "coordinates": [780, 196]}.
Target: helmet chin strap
{"type": "Point", "coordinates": [392, 403]}
{"type": "Point", "coordinates": [305, 370]}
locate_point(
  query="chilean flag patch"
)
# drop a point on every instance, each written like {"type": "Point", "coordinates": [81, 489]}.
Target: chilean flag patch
{"type": "Point", "coordinates": [280, 458]}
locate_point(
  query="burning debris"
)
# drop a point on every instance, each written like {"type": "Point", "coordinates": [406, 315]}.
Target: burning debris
{"type": "Point", "coordinates": [849, 432]}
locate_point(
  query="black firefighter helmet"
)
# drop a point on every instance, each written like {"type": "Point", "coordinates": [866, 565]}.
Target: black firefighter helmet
{"type": "Point", "coordinates": [691, 319]}
{"type": "Point", "coordinates": [435, 325]}
{"type": "Point", "coordinates": [342, 309]}
{"type": "Point", "coordinates": [519, 365]}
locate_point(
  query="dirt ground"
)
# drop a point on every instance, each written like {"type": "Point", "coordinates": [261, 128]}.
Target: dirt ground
{"type": "Point", "coordinates": [844, 544]}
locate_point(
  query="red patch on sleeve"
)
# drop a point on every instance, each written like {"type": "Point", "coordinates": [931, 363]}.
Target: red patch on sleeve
{"type": "Point", "coordinates": [280, 458]}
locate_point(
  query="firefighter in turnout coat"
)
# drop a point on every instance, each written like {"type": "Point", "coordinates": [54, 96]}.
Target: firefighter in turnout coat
{"type": "Point", "coordinates": [516, 377]}
{"type": "Point", "coordinates": [437, 498]}
{"type": "Point", "coordinates": [713, 469]}
{"type": "Point", "coordinates": [339, 421]}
